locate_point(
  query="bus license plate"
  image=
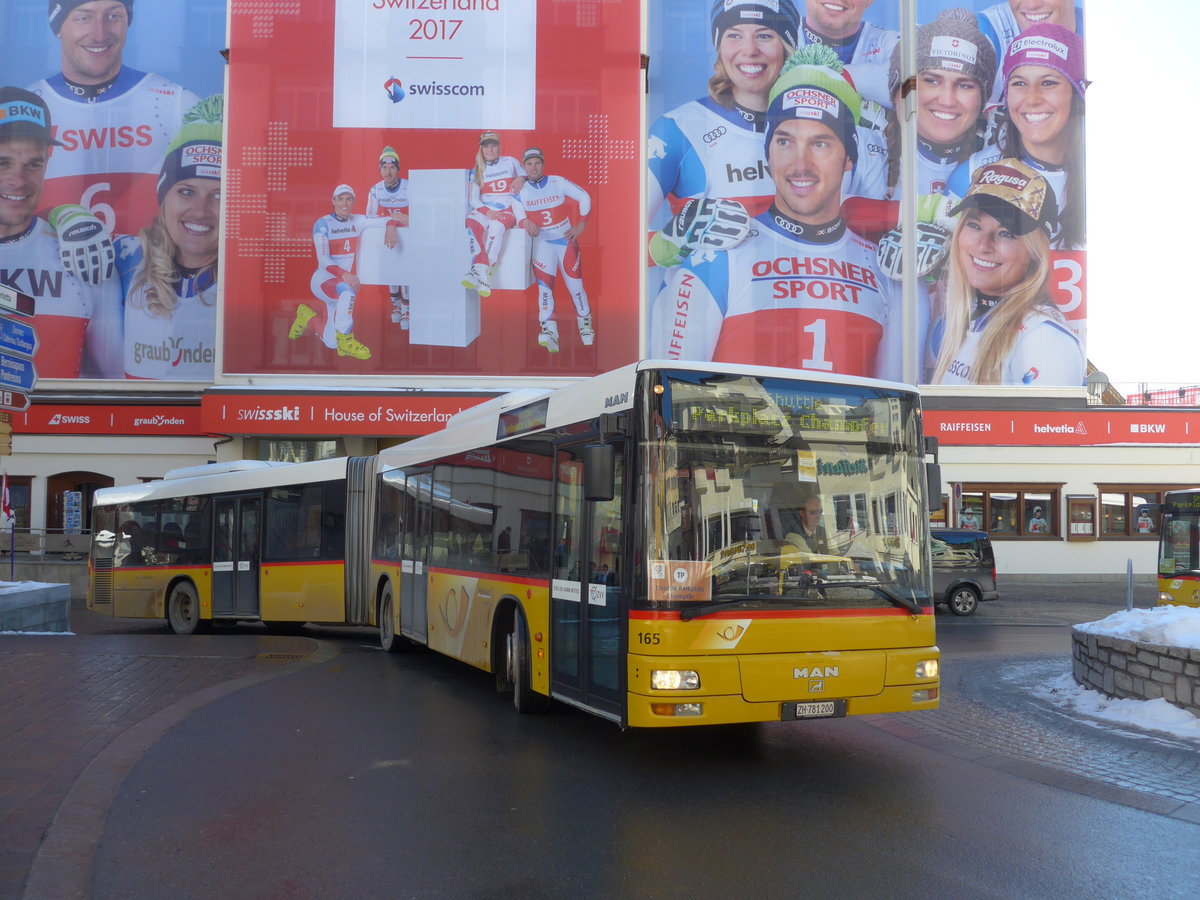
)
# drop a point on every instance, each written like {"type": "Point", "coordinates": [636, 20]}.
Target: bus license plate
{"type": "Point", "coordinates": [818, 709]}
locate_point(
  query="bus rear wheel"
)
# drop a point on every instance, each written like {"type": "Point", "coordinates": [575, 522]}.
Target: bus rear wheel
{"type": "Point", "coordinates": [183, 609]}
{"type": "Point", "coordinates": [389, 639]}
{"type": "Point", "coordinates": [519, 668]}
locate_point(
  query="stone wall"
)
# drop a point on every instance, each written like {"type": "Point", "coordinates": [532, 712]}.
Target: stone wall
{"type": "Point", "coordinates": [1137, 671]}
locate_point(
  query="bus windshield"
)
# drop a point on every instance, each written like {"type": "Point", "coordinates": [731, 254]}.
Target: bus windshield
{"type": "Point", "coordinates": [774, 494]}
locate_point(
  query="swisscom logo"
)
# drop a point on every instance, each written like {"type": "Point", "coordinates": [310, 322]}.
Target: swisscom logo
{"type": "Point", "coordinates": [395, 90]}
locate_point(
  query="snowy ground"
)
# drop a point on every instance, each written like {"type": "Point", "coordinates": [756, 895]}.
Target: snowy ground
{"type": "Point", "coordinates": [1176, 626]}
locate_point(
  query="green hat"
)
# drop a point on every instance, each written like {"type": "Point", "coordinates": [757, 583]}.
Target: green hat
{"type": "Point", "coordinates": [813, 85]}
{"type": "Point", "coordinates": [195, 151]}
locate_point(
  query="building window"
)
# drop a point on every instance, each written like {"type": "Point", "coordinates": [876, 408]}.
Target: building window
{"type": "Point", "coordinates": [295, 450]}
{"type": "Point", "coordinates": [1012, 510]}
{"type": "Point", "coordinates": [1131, 511]}
{"type": "Point", "coordinates": [19, 492]}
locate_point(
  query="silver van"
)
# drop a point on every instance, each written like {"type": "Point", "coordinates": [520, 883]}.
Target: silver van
{"type": "Point", "coordinates": [964, 569]}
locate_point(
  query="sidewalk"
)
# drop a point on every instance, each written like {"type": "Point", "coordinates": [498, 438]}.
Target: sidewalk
{"type": "Point", "coordinates": [90, 702]}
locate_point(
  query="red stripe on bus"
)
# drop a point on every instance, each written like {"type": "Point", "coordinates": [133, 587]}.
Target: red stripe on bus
{"type": "Point", "coordinates": [673, 615]}
{"type": "Point", "coordinates": [203, 567]}
{"type": "Point", "coordinates": [493, 576]}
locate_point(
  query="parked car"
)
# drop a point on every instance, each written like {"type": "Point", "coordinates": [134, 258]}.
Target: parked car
{"type": "Point", "coordinates": [964, 569]}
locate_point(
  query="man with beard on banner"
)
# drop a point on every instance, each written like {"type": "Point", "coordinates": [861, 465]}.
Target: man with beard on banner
{"type": "Point", "coordinates": [113, 122]}
{"type": "Point", "coordinates": [78, 324]}
{"type": "Point", "coordinates": [803, 291]}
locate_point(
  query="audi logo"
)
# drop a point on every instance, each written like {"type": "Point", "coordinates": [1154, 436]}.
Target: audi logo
{"type": "Point", "coordinates": [714, 134]}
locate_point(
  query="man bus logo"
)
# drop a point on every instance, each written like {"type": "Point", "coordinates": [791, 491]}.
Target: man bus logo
{"type": "Point", "coordinates": [815, 672]}
{"type": "Point", "coordinates": [616, 400]}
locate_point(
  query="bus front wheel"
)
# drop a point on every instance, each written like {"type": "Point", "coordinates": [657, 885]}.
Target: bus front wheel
{"type": "Point", "coordinates": [183, 609]}
{"type": "Point", "coordinates": [519, 666]}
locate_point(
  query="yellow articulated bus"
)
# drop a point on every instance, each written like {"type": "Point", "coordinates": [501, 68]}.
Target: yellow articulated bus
{"type": "Point", "coordinates": [668, 544]}
{"type": "Point", "coordinates": [1179, 549]}
{"type": "Point", "coordinates": [243, 541]}
{"type": "Point", "coordinates": [634, 545]}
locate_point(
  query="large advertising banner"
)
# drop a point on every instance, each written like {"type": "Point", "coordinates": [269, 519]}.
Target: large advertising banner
{"type": "Point", "coordinates": [776, 170]}
{"type": "Point", "coordinates": [433, 187]}
{"type": "Point", "coordinates": [110, 116]}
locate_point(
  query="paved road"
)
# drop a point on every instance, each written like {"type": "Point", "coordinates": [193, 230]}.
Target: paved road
{"type": "Point", "coordinates": [88, 708]}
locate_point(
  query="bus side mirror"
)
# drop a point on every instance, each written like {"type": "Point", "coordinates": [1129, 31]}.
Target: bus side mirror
{"type": "Point", "coordinates": [933, 486]}
{"type": "Point", "coordinates": [599, 468]}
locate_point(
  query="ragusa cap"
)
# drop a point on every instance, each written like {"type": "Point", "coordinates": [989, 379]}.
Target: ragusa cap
{"type": "Point", "coordinates": [1013, 193]}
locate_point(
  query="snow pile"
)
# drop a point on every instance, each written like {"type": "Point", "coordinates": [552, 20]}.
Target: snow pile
{"type": "Point", "coordinates": [15, 587]}
{"type": "Point", "coordinates": [1174, 626]}
{"type": "Point", "coordinates": [1148, 715]}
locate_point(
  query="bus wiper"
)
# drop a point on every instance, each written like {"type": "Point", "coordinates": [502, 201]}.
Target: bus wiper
{"type": "Point", "coordinates": [694, 612]}
{"type": "Point", "coordinates": [907, 602]}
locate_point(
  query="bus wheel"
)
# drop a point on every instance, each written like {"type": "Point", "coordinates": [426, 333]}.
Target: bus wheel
{"type": "Point", "coordinates": [183, 609]}
{"type": "Point", "coordinates": [519, 667]}
{"type": "Point", "coordinates": [963, 601]}
{"type": "Point", "coordinates": [389, 640]}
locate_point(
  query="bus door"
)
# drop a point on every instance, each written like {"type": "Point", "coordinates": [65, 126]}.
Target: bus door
{"type": "Point", "coordinates": [414, 557]}
{"type": "Point", "coordinates": [588, 575]}
{"type": "Point", "coordinates": [235, 555]}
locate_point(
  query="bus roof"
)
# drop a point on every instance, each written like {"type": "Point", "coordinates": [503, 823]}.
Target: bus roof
{"type": "Point", "coordinates": [180, 484]}
{"type": "Point", "coordinates": [582, 401]}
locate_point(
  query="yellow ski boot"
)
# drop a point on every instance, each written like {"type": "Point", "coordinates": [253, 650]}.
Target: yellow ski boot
{"type": "Point", "coordinates": [304, 314]}
{"type": "Point", "coordinates": [347, 345]}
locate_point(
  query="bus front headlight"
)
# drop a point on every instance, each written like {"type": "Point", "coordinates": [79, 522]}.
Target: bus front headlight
{"type": "Point", "coordinates": [674, 680]}
{"type": "Point", "coordinates": [928, 668]}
